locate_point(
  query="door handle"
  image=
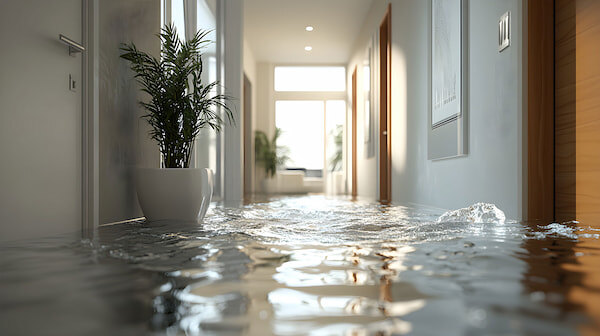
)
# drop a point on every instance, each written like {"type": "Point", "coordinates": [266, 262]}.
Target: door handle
{"type": "Point", "coordinates": [384, 132]}
{"type": "Point", "coordinates": [74, 47]}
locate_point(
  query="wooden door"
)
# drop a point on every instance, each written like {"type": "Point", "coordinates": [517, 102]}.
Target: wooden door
{"type": "Point", "coordinates": [577, 111]}
{"type": "Point", "coordinates": [385, 141]}
{"type": "Point", "coordinates": [354, 149]}
{"type": "Point", "coordinates": [540, 114]}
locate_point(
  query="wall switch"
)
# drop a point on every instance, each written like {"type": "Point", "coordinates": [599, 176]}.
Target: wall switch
{"type": "Point", "coordinates": [504, 31]}
{"type": "Point", "coordinates": [72, 83]}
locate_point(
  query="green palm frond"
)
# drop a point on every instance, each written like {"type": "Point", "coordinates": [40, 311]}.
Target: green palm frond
{"type": "Point", "coordinates": [180, 104]}
{"type": "Point", "coordinates": [335, 162]}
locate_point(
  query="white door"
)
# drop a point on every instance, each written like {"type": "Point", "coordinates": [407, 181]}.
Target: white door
{"type": "Point", "coordinates": [40, 119]}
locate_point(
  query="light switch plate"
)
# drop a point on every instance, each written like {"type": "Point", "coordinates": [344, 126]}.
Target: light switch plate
{"type": "Point", "coordinates": [72, 83]}
{"type": "Point", "coordinates": [504, 32]}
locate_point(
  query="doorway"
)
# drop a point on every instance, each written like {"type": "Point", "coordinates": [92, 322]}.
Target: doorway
{"type": "Point", "coordinates": [385, 141]}
{"type": "Point", "coordinates": [41, 120]}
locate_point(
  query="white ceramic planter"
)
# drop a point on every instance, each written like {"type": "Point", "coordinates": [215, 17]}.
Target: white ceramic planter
{"type": "Point", "coordinates": [176, 194]}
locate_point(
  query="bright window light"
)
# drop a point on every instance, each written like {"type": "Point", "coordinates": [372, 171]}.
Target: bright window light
{"type": "Point", "coordinates": [310, 78]}
{"type": "Point", "coordinates": [301, 123]}
{"type": "Point", "coordinates": [178, 17]}
{"type": "Point", "coordinates": [335, 111]}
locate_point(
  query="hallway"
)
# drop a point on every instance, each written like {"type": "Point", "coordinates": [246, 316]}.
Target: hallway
{"type": "Point", "coordinates": [314, 167]}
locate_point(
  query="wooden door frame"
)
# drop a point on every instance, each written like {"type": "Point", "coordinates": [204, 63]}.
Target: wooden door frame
{"type": "Point", "coordinates": [385, 107]}
{"type": "Point", "coordinates": [354, 127]}
{"type": "Point", "coordinates": [540, 112]}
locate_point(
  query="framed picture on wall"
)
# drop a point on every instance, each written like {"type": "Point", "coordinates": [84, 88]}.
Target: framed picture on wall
{"type": "Point", "coordinates": [448, 82]}
{"type": "Point", "coordinates": [445, 61]}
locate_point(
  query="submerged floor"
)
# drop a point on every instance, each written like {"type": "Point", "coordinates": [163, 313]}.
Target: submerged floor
{"type": "Point", "coordinates": [306, 265]}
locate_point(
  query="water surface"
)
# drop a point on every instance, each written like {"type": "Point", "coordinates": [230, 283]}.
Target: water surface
{"type": "Point", "coordinates": [306, 265]}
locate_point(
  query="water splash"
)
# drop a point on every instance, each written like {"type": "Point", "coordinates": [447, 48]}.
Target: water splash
{"type": "Point", "coordinates": [476, 213]}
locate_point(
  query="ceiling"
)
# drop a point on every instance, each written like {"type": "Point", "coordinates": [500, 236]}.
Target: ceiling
{"type": "Point", "coordinates": [274, 29]}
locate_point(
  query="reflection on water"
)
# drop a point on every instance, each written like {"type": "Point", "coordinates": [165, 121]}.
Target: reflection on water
{"type": "Point", "coordinates": [307, 265]}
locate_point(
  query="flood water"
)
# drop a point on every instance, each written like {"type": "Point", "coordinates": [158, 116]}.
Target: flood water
{"type": "Point", "coordinates": [306, 265]}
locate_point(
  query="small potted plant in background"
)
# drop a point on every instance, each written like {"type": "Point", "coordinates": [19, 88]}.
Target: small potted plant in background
{"type": "Point", "coordinates": [270, 156]}
{"type": "Point", "coordinates": [180, 105]}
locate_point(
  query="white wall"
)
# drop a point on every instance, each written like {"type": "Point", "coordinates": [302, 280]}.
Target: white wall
{"type": "Point", "coordinates": [265, 120]}
{"type": "Point", "coordinates": [265, 112]}
{"type": "Point", "coordinates": [251, 74]}
{"type": "Point", "coordinates": [366, 167]}
{"type": "Point", "coordinates": [231, 52]}
{"type": "Point", "coordinates": [124, 140]}
{"type": "Point", "coordinates": [492, 172]}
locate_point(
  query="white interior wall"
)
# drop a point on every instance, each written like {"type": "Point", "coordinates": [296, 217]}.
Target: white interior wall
{"type": "Point", "coordinates": [492, 171]}
{"type": "Point", "coordinates": [250, 71]}
{"type": "Point", "coordinates": [265, 112]}
{"type": "Point", "coordinates": [265, 120]}
{"type": "Point", "coordinates": [231, 22]}
{"type": "Point", "coordinates": [366, 167]}
{"type": "Point", "coordinates": [124, 140]}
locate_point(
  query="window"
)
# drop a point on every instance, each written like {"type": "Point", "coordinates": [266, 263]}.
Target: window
{"type": "Point", "coordinates": [310, 111]}
{"type": "Point", "coordinates": [310, 78]}
{"type": "Point", "coordinates": [301, 123]}
{"type": "Point", "coordinates": [178, 17]}
{"type": "Point", "coordinates": [304, 125]}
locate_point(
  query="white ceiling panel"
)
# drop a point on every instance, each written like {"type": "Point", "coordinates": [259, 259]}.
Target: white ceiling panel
{"type": "Point", "coordinates": [275, 29]}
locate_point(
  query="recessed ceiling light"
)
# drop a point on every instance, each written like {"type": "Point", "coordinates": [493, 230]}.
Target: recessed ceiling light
{"type": "Point", "coordinates": [308, 48]}
{"type": "Point", "coordinates": [309, 28]}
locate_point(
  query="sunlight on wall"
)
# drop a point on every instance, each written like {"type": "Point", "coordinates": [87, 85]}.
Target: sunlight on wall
{"type": "Point", "coordinates": [400, 112]}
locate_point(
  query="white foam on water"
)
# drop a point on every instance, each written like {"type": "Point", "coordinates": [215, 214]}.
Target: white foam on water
{"type": "Point", "coordinates": [566, 230]}
{"type": "Point", "coordinates": [557, 229]}
{"type": "Point", "coordinates": [476, 213]}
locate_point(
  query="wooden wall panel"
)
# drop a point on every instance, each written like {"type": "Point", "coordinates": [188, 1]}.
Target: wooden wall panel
{"type": "Point", "coordinates": [540, 114]}
{"type": "Point", "coordinates": [578, 111]}
{"type": "Point", "coordinates": [587, 104]}
{"type": "Point", "coordinates": [565, 163]}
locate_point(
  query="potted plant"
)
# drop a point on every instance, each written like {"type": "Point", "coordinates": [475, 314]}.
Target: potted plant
{"type": "Point", "coordinates": [270, 156]}
{"type": "Point", "coordinates": [180, 105]}
{"type": "Point", "coordinates": [335, 162]}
